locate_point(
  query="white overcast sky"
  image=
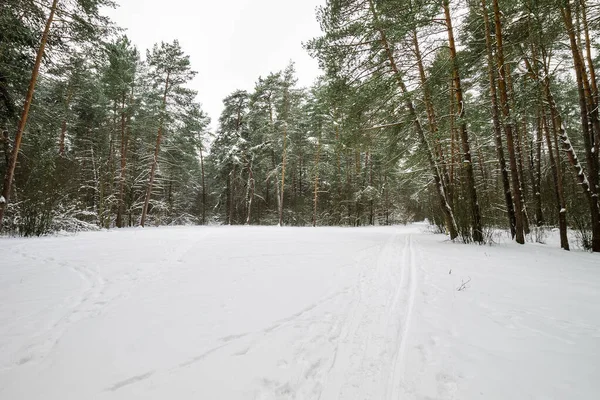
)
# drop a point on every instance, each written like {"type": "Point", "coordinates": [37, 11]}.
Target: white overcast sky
{"type": "Point", "coordinates": [230, 42]}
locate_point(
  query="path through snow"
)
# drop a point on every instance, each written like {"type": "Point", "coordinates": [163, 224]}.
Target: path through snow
{"type": "Point", "coordinates": [294, 313]}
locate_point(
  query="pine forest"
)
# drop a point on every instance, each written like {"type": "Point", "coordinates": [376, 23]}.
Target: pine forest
{"type": "Point", "coordinates": [476, 115]}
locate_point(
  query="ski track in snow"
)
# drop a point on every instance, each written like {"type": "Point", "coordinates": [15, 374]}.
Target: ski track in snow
{"type": "Point", "coordinates": [283, 313]}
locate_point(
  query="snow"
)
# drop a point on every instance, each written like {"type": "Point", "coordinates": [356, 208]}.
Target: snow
{"type": "Point", "coordinates": [295, 313]}
{"type": "Point", "coordinates": [2, 200]}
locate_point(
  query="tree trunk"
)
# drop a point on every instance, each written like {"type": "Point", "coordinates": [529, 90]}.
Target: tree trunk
{"type": "Point", "coordinates": [283, 174]}
{"type": "Point", "coordinates": [316, 187]}
{"type": "Point", "coordinates": [203, 186]}
{"type": "Point", "coordinates": [156, 152]}
{"type": "Point", "coordinates": [464, 135]}
{"type": "Point", "coordinates": [431, 117]}
{"type": "Point", "coordinates": [249, 193]}
{"type": "Point", "coordinates": [232, 196]}
{"type": "Point", "coordinates": [589, 123]}
{"type": "Point", "coordinates": [582, 177]}
{"type": "Point", "coordinates": [453, 140]}
{"type": "Point", "coordinates": [12, 164]}
{"type": "Point", "coordinates": [536, 168]}
{"type": "Point", "coordinates": [595, 99]}
{"type": "Point", "coordinates": [228, 197]}
{"type": "Point", "coordinates": [6, 146]}
{"type": "Point", "coordinates": [121, 205]}
{"type": "Point", "coordinates": [445, 206]}
{"type": "Point", "coordinates": [497, 127]}
{"type": "Point", "coordinates": [63, 127]}
{"type": "Point", "coordinates": [508, 129]}
{"type": "Point", "coordinates": [558, 184]}
{"type": "Point", "coordinates": [339, 160]}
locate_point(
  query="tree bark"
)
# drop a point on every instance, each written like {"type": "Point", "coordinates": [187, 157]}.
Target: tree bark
{"type": "Point", "coordinates": [63, 126]}
{"type": "Point", "coordinates": [156, 152]}
{"type": "Point", "coordinates": [10, 170]}
{"type": "Point", "coordinates": [508, 128]}
{"type": "Point", "coordinates": [464, 135]}
{"type": "Point", "coordinates": [249, 192]}
{"type": "Point", "coordinates": [558, 184]}
{"type": "Point", "coordinates": [580, 173]}
{"type": "Point", "coordinates": [316, 186]}
{"type": "Point", "coordinates": [508, 200]}
{"type": "Point", "coordinates": [536, 171]}
{"type": "Point", "coordinates": [431, 117]}
{"type": "Point", "coordinates": [232, 196]}
{"type": "Point", "coordinates": [445, 206]}
{"type": "Point", "coordinates": [589, 123]}
{"type": "Point", "coordinates": [283, 174]}
{"type": "Point", "coordinates": [122, 171]}
{"type": "Point", "coordinates": [203, 186]}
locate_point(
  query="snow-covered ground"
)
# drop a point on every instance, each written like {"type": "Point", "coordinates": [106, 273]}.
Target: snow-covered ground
{"type": "Point", "coordinates": [295, 313]}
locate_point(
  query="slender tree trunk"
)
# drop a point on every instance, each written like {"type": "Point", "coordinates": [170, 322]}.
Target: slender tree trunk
{"type": "Point", "coordinates": [249, 193]}
{"type": "Point", "coordinates": [508, 200]}
{"type": "Point", "coordinates": [339, 160]}
{"type": "Point", "coordinates": [63, 127]}
{"type": "Point", "coordinates": [437, 176]}
{"type": "Point", "coordinates": [508, 128]}
{"type": "Point", "coordinates": [276, 181]}
{"type": "Point", "coordinates": [122, 172]}
{"type": "Point", "coordinates": [580, 173]}
{"type": "Point", "coordinates": [595, 99]}
{"type": "Point", "coordinates": [536, 168]}
{"type": "Point", "coordinates": [10, 170]}
{"type": "Point", "coordinates": [431, 117]}
{"type": "Point", "coordinates": [203, 186]}
{"type": "Point", "coordinates": [558, 185]}
{"type": "Point", "coordinates": [464, 135]}
{"type": "Point", "coordinates": [589, 123]}
{"type": "Point", "coordinates": [156, 153]}
{"type": "Point", "coordinates": [6, 146]}
{"type": "Point", "coordinates": [369, 167]}
{"type": "Point", "coordinates": [453, 139]}
{"type": "Point", "coordinates": [283, 174]}
{"type": "Point", "coordinates": [349, 185]}
{"type": "Point", "coordinates": [357, 167]}
{"type": "Point", "coordinates": [232, 206]}
{"type": "Point", "coordinates": [228, 201]}
{"type": "Point", "coordinates": [519, 149]}
{"type": "Point", "coordinates": [316, 186]}
{"type": "Point", "coordinates": [386, 201]}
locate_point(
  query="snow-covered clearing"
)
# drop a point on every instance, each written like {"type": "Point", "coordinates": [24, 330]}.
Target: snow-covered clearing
{"type": "Point", "coordinates": [295, 313]}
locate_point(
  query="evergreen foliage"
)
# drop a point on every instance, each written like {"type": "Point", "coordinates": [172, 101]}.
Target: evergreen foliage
{"type": "Point", "coordinates": [476, 115]}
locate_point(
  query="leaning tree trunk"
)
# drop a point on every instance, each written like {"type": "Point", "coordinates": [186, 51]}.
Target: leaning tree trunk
{"type": "Point", "coordinates": [589, 123]}
{"type": "Point", "coordinates": [431, 117]}
{"type": "Point", "coordinates": [464, 134]}
{"type": "Point", "coordinates": [437, 176]}
{"type": "Point", "coordinates": [580, 173]}
{"type": "Point", "coordinates": [12, 164]}
{"type": "Point", "coordinates": [156, 152]}
{"type": "Point", "coordinates": [554, 161]}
